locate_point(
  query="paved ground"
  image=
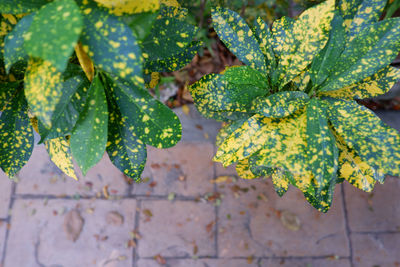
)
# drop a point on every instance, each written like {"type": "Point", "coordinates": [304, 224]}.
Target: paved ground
{"type": "Point", "coordinates": [189, 212]}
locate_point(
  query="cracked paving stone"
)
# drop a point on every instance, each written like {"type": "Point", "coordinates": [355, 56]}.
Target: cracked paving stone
{"type": "Point", "coordinates": [37, 234]}
{"type": "Point", "coordinates": [176, 229]}
{"type": "Point", "coordinates": [185, 170]}
{"type": "Point", "coordinates": [250, 223]}
{"type": "Point", "coordinates": [5, 194]}
{"type": "Point", "coordinates": [41, 177]}
{"type": "Point", "coordinates": [376, 211]}
{"type": "Point", "coordinates": [376, 249]}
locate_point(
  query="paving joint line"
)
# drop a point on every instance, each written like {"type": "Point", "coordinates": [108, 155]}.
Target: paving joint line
{"type": "Point", "coordinates": [216, 210]}
{"type": "Point", "coordinates": [135, 253]}
{"type": "Point", "coordinates": [346, 220]}
{"type": "Point", "coordinates": [8, 221]}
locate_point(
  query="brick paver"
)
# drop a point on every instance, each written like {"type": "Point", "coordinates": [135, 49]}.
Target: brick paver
{"type": "Point", "coordinates": [180, 216]}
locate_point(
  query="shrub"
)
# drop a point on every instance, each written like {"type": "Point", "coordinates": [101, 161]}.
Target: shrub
{"type": "Point", "coordinates": [76, 71]}
{"type": "Point", "coordinates": [290, 112]}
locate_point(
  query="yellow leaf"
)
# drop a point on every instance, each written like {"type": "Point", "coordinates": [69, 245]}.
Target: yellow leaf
{"type": "Point", "coordinates": [173, 3]}
{"type": "Point", "coordinates": [121, 7]}
{"type": "Point", "coordinates": [85, 61]}
{"type": "Point", "coordinates": [243, 170]}
{"type": "Point", "coordinates": [60, 154]}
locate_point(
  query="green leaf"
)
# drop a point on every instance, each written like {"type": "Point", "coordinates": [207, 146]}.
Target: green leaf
{"type": "Point", "coordinates": [54, 32]}
{"type": "Point", "coordinates": [20, 6]}
{"type": "Point", "coordinates": [280, 104]}
{"type": "Point", "coordinates": [111, 44]}
{"type": "Point", "coordinates": [282, 36]}
{"type": "Point", "coordinates": [70, 105]}
{"type": "Point", "coordinates": [141, 24]}
{"type": "Point", "coordinates": [89, 137]}
{"type": "Point", "coordinates": [244, 171]}
{"type": "Point", "coordinates": [43, 89]}
{"type": "Point", "coordinates": [324, 61]}
{"type": "Point", "coordinates": [16, 135]}
{"type": "Point", "coordinates": [322, 152]}
{"type": "Point", "coordinates": [153, 122]}
{"type": "Point", "coordinates": [321, 201]}
{"type": "Point", "coordinates": [238, 37]}
{"type": "Point", "coordinates": [245, 75]}
{"type": "Point", "coordinates": [348, 9]}
{"type": "Point", "coordinates": [376, 143]}
{"type": "Point", "coordinates": [280, 181]}
{"type": "Point", "coordinates": [60, 153]}
{"type": "Point", "coordinates": [264, 37]}
{"type": "Point", "coordinates": [216, 98]}
{"type": "Point", "coordinates": [14, 42]}
{"type": "Point", "coordinates": [375, 85]}
{"type": "Point", "coordinates": [370, 51]}
{"type": "Point", "coordinates": [368, 13]}
{"type": "Point", "coordinates": [127, 152]}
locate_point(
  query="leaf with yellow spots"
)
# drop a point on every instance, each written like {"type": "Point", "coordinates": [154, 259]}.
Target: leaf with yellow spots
{"type": "Point", "coordinates": [60, 153]}
{"type": "Point", "coordinates": [89, 137]}
{"type": "Point", "coordinates": [263, 36]}
{"type": "Point", "coordinates": [228, 129]}
{"type": "Point", "coordinates": [368, 12]}
{"type": "Point", "coordinates": [169, 46]}
{"type": "Point", "coordinates": [370, 51]}
{"type": "Point", "coordinates": [21, 6]}
{"type": "Point", "coordinates": [216, 98]}
{"type": "Point", "coordinates": [244, 171]}
{"type": "Point", "coordinates": [245, 75]}
{"type": "Point", "coordinates": [280, 104]}
{"type": "Point", "coordinates": [85, 61]}
{"type": "Point", "coordinates": [373, 141]}
{"type": "Point", "coordinates": [126, 151]}
{"type": "Point", "coordinates": [43, 89]}
{"type": "Point", "coordinates": [69, 106]}
{"type": "Point", "coordinates": [5, 27]}
{"type": "Point", "coordinates": [7, 93]}
{"type": "Point", "coordinates": [153, 123]}
{"type": "Point", "coordinates": [280, 180]}
{"type": "Point", "coordinates": [64, 19]}
{"type": "Point", "coordinates": [354, 169]}
{"type": "Point", "coordinates": [310, 32]}
{"type": "Point", "coordinates": [16, 135]}
{"type": "Point", "coordinates": [238, 37]}
{"type": "Point", "coordinates": [14, 50]}
{"type": "Point", "coordinates": [111, 44]}
{"type": "Point", "coordinates": [126, 7]}
{"type": "Point", "coordinates": [322, 153]}
{"type": "Point", "coordinates": [375, 85]}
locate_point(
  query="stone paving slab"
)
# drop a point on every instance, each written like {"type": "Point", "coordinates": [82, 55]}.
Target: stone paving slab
{"type": "Point", "coordinates": [376, 211]}
{"type": "Point", "coordinates": [252, 216]}
{"type": "Point", "coordinates": [41, 177]}
{"type": "Point", "coordinates": [5, 194]}
{"type": "Point", "coordinates": [185, 170]}
{"type": "Point", "coordinates": [197, 263]}
{"type": "Point", "coordinates": [38, 238]}
{"type": "Point", "coordinates": [176, 229]}
{"type": "Point", "coordinates": [376, 249]}
{"type": "Point", "coordinates": [3, 229]}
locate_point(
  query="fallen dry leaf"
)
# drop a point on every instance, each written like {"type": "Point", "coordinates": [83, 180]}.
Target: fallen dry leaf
{"type": "Point", "coordinates": [220, 179]}
{"type": "Point", "coordinates": [290, 220]}
{"type": "Point", "coordinates": [73, 224]}
{"type": "Point", "coordinates": [160, 260]}
{"type": "Point", "coordinates": [185, 109]}
{"type": "Point", "coordinates": [114, 218]}
{"type": "Point", "coordinates": [105, 192]}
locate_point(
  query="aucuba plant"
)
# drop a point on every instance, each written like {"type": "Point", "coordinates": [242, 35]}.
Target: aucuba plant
{"type": "Point", "coordinates": [290, 112]}
{"type": "Point", "coordinates": [76, 72]}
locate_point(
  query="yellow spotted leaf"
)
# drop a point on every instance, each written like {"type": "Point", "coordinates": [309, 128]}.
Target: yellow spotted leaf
{"type": "Point", "coordinates": [123, 7]}
{"type": "Point", "coordinates": [85, 61]}
{"type": "Point", "coordinates": [60, 153]}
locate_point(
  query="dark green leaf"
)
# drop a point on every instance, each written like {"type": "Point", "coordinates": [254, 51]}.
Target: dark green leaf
{"type": "Point", "coordinates": [127, 152]}
{"type": "Point", "coordinates": [111, 44]}
{"type": "Point", "coordinates": [322, 152]}
{"type": "Point", "coordinates": [238, 37]}
{"type": "Point", "coordinates": [89, 137]}
{"type": "Point", "coordinates": [54, 32]}
{"type": "Point", "coordinates": [264, 37]}
{"type": "Point", "coordinates": [14, 42]}
{"type": "Point", "coordinates": [141, 24]}
{"type": "Point", "coordinates": [7, 93]}
{"type": "Point", "coordinates": [153, 122]}
{"type": "Point", "coordinates": [245, 75]}
{"type": "Point", "coordinates": [16, 135]}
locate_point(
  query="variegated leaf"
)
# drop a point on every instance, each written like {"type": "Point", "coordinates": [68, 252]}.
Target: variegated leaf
{"type": "Point", "coordinates": [43, 89]}
{"type": "Point", "coordinates": [244, 171]}
{"type": "Point", "coordinates": [245, 75]}
{"type": "Point", "coordinates": [21, 6]}
{"type": "Point", "coordinates": [375, 143]}
{"type": "Point", "coordinates": [60, 153]}
{"type": "Point", "coordinates": [238, 37]}
{"type": "Point", "coordinates": [16, 135]}
{"type": "Point", "coordinates": [124, 7]}
{"type": "Point", "coordinates": [264, 38]}
{"type": "Point", "coordinates": [280, 104]}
